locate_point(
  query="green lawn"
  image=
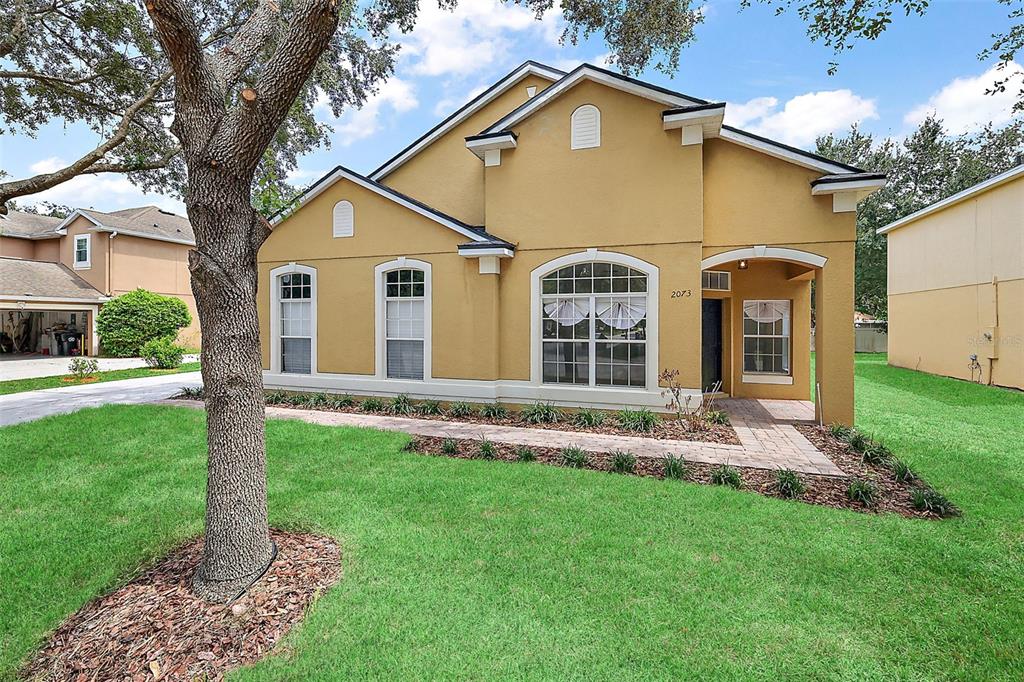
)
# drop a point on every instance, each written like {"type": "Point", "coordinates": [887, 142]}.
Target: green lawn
{"type": "Point", "coordinates": [473, 569]}
{"type": "Point", "coordinates": [35, 384]}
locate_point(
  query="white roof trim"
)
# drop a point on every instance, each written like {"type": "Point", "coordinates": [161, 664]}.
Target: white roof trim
{"type": "Point", "coordinates": [587, 72]}
{"type": "Point", "coordinates": [339, 173]}
{"type": "Point", "coordinates": [781, 152]}
{"type": "Point", "coordinates": [52, 299]}
{"type": "Point", "coordinates": [848, 186]}
{"type": "Point", "coordinates": [499, 251]}
{"type": "Point", "coordinates": [765, 252]}
{"type": "Point", "coordinates": [488, 96]}
{"type": "Point", "coordinates": [480, 146]}
{"type": "Point", "coordinates": [991, 183]}
{"type": "Point", "coordinates": [62, 228]}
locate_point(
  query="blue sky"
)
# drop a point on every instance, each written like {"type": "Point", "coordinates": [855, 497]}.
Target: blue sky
{"type": "Point", "coordinates": [774, 80]}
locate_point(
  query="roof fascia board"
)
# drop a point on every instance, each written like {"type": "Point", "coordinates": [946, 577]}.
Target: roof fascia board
{"type": "Point", "coordinates": [479, 145]}
{"type": "Point", "coordinates": [991, 183]}
{"type": "Point", "coordinates": [62, 228]}
{"type": "Point", "coordinates": [499, 251]}
{"type": "Point", "coordinates": [784, 152]}
{"type": "Point", "coordinates": [141, 235]}
{"type": "Point", "coordinates": [589, 72]}
{"type": "Point", "coordinates": [851, 186]}
{"type": "Point", "coordinates": [52, 299]}
{"type": "Point", "coordinates": [460, 115]}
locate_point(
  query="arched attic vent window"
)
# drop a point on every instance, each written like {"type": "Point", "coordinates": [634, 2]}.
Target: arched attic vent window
{"type": "Point", "coordinates": [344, 219]}
{"type": "Point", "coordinates": [586, 127]}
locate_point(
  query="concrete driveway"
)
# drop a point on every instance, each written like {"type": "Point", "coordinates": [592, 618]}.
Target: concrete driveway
{"type": "Point", "coordinates": [21, 367]}
{"type": "Point", "coordinates": [30, 405]}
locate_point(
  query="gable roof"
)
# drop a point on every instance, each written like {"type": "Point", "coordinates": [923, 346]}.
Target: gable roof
{"type": "Point", "coordinates": [477, 234]}
{"type": "Point", "coordinates": [465, 111]}
{"type": "Point", "coordinates": [148, 222]}
{"type": "Point", "coordinates": [966, 194]}
{"type": "Point", "coordinates": [25, 225]}
{"type": "Point", "coordinates": [25, 279]}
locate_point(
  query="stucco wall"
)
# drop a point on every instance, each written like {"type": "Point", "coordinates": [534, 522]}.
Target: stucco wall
{"type": "Point", "coordinates": [12, 247]}
{"type": "Point", "coordinates": [97, 273]}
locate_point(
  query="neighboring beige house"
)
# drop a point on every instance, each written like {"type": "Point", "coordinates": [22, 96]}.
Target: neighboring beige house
{"type": "Point", "coordinates": [956, 284]}
{"type": "Point", "coordinates": [565, 237]}
{"type": "Point", "coordinates": [83, 261]}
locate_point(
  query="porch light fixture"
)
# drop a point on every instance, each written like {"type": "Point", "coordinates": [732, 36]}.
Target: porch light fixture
{"type": "Point", "coordinates": [743, 264]}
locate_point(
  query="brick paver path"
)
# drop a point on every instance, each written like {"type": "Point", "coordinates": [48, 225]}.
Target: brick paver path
{"type": "Point", "coordinates": [766, 444]}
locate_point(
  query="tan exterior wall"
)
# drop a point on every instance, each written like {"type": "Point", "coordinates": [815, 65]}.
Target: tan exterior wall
{"type": "Point", "coordinates": [13, 247]}
{"type": "Point", "coordinates": [98, 273]}
{"type": "Point", "coordinates": [446, 175]}
{"type": "Point", "coordinates": [961, 270]}
{"type": "Point", "coordinates": [47, 250]}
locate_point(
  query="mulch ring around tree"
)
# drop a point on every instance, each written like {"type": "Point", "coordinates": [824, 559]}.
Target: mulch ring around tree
{"type": "Point", "coordinates": [155, 628]}
{"type": "Point", "coordinates": [826, 491]}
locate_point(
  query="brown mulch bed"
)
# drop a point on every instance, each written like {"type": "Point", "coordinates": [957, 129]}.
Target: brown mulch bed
{"type": "Point", "coordinates": [155, 628]}
{"type": "Point", "coordinates": [827, 491]}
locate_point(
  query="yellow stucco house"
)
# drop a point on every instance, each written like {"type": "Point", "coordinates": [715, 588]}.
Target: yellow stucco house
{"type": "Point", "coordinates": [565, 237]}
{"type": "Point", "coordinates": [956, 284]}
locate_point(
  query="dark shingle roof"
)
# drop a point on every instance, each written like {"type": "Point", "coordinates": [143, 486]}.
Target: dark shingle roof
{"type": "Point", "coordinates": [38, 279]}
{"type": "Point", "coordinates": [145, 221]}
{"type": "Point", "coordinates": [28, 225]}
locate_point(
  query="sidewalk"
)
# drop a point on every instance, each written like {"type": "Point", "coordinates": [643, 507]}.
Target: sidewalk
{"type": "Point", "coordinates": [14, 367]}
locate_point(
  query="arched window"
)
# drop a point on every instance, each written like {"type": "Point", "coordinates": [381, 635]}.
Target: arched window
{"type": "Point", "coordinates": [344, 219]}
{"type": "Point", "coordinates": [594, 325]}
{"type": "Point", "coordinates": [585, 123]}
{"type": "Point", "coordinates": [293, 319]}
{"type": "Point", "coordinates": [403, 314]}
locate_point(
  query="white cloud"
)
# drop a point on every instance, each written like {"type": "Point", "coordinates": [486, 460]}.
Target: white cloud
{"type": "Point", "coordinates": [803, 118]}
{"type": "Point", "coordinates": [104, 192]}
{"type": "Point", "coordinates": [450, 103]}
{"type": "Point", "coordinates": [602, 60]}
{"type": "Point", "coordinates": [395, 95]}
{"type": "Point", "coordinates": [963, 104]}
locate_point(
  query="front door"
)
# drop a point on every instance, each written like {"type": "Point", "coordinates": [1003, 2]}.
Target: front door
{"type": "Point", "coordinates": [711, 342]}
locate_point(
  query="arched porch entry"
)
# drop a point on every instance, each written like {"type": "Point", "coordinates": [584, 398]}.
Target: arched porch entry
{"type": "Point", "coordinates": [756, 327]}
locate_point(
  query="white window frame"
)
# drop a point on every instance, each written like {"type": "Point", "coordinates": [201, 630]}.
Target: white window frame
{"type": "Point", "coordinates": [380, 320]}
{"type": "Point", "coordinates": [753, 376]}
{"type": "Point", "coordinates": [275, 315]}
{"type": "Point", "coordinates": [347, 228]}
{"type": "Point", "coordinates": [705, 277]}
{"type": "Point", "coordinates": [536, 328]}
{"type": "Point", "coordinates": [87, 263]}
{"type": "Point", "coordinates": [573, 142]}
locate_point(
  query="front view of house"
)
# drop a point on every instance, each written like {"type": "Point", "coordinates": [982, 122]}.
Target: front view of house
{"type": "Point", "coordinates": [566, 238]}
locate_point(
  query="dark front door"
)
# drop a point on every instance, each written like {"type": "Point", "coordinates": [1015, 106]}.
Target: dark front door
{"type": "Point", "coordinates": [711, 342]}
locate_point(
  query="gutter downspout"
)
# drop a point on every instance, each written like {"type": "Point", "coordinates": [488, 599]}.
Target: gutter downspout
{"type": "Point", "coordinates": [110, 257]}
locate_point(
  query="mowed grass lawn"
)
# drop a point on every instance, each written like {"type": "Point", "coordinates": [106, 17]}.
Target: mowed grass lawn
{"type": "Point", "coordinates": [484, 570]}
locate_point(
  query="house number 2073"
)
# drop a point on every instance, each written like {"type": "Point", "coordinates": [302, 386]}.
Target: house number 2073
{"type": "Point", "coordinates": [681, 293]}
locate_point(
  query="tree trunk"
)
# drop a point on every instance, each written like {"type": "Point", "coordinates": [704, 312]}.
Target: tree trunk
{"type": "Point", "coordinates": [224, 281]}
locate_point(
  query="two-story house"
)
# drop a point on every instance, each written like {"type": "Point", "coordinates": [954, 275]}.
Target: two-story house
{"type": "Point", "coordinates": [566, 237]}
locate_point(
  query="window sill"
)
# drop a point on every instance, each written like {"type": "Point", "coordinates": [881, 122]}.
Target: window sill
{"type": "Point", "coordinates": [785, 379]}
{"type": "Point", "coordinates": [82, 266]}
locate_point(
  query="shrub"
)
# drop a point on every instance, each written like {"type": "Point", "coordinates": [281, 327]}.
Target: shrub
{"type": "Point", "coordinates": [493, 411]}
{"type": "Point", "coordinates": [162, 353]}
{"type": "Point", "coordinates": [450, 446]}
{"type": "Point", "coordinates": [642, 420]}
{"type": "Point", "coordinates": [428, 407]}
{"type": "Point", "coordinates": [931, 500]}
{"type": "Point", "coordinates": [675, 467]}
{"type": "Point", "coordinates": [127, 322]}
{"type": "Point", "coordinates": [789, 484]}
{"type": "Point", "coordinates": [574, 457]}
{"type": "Point", "coordinates": [487, 450]}
{"type": "Point", "coordinates": [191, 392]}
{"type": "Point", "coordinates": [875, 453]}
{"type": "Point", "coordinates": [525, 454]}
{"type": "Point", "coordinates": [840, 431]}
{"type": "Point", "coordinates": [296, 399]}
{"type": "Point", "coordinates": [717, 417]}
{"type": "Point", "coordinates": [623, 462]}
{"type": "Point", "coordinates": [902, 472]}
{"type": "Point", "coordinates": [863, 491]}
{"type": "Point", "coordinates": [588, 418]}
{"type": "Point", "coordinates": [316, 401]}
{"type": "Point", "coordinates": [858, 441]}
{"type": "Point", "coordinates": [372, 405]}
{"type": "Point", "coordinates": [274, 397]}
{"type": "Point", "coordinates": [80, 368]}
{"type": "Point", "coordinates": [460, 409]}
{"type": "Point", "coordinates": [400, 404]}
{"type": "Point", "coordinates": [336, 401]}
{"type": "Point", "coordinates": [724, 474]}
{"type": "Point", "coordinates": [541, 413]}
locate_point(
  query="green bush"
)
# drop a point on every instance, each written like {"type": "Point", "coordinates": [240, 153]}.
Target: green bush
{"type": "Point", "coordinates": [588, 418]}
{"type": "Point", "coordinates": [126, 323]}
{"type": "Point", "coordinates": [574, 457]}
{"type": "Point", "coordinates": [429, 407]}
{"type": "Point", "coordinates": [80, 368]}
{"type": "Point", "coordinates": [275, 397]}
{"type": "Point", "coordinates": [641, 421]}
{"type": "Point", "coordinates": [450, 446]}
{"type": "Point", "coordinates": [902, 472]}
{"type": "Point", "coordinates": [162, 353]}
{"type": "Point", "coordinates": [493, 411]}
{"type": "Point", "coordinates": [372, 405]}
{"type": "Point", "coordinates": [876, 453]}
{"type": "Point", "coordinates": [931, 500]}
{"type": "Point", "coordinates": [723, 474]}
{"type": "Point", "coordinates": [675, 467]}
{"type": "Point", "coordinates": [863, 491]}
{"type": "Point", "coordinates": [338, 401]}
{"type": "Point", "coordinates": [858, 441]}
{"type": "Point", "coordinates": [623, 462]}
{"type": "Point", "coordinates": [789, 484]}
{"type": "Point", "coordinates": [487, 450]}
{"type": "Point", "coordinates": [525, 454]}
{"type": "Point", "coordinates": [840, 431]}
{"type": "Point", "coordinates": [460, 409]}
{"type": "Point", "coordinates": [541, 413]}
{"type": "Point", "coordinates": [400, 404]}
{"type": "Point", "coordinates": [191, 393]}
{"type": "Point", "coordinates": [717, 417]}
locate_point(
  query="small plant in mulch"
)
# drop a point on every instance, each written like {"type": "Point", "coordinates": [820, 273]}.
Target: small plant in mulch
{"type": "Point", "coordinates": [316, 401]}
{"type": "Point", "coordinates": [675, 467]}
{"type": "Point", "coordinates": [192, 393]}
{"type": "Point", "coordinates": [428, 407]}
{"type": "Point", "coordinates": [587, 418]}
{"type": "Point", "coordinates": [400, 405]}
{"type": "Point", "coordinates": [862, 491]}
{"type": "Point", "coordinates": [573, 457]}
{"type": "Point", "coordinates": [525, 454]}
{"type": "Point", "coordinates": [372, 405]}
{"type": "Point", "coordinates": [788, 484]}
{"type": "Point", "coordinates": [450, 446]}
{"type": "Point", "coordinates": [486, 449]}
{"type": "Point", "coordinates": [641, 421]}
{"type": "Point", "coordinates": [717, 417]}
{"type": "Point", "coordinates": [336, 402]}
{"type": "Point", "coordinates": [725, 474]}
{"type": "Point", "coordinates": [623, 462]}
{"type": "Point", "coordinates": [81, 369]}
{"type": "Point", "coordinates": [296, 399]}
{"type": "Point", "coordinates": [876, 453]}
{"type": "Point", "coordinates": [540, 413]}
{"type": "Point", "coordinates": [459, 409]}
{"type": "Point", "coordinates": [928, 499]}
{"type": "Point", "coordinates": [493, 411]}
{"type": "Point", "coordinates": [274, 397]}
{"type": "Point", "coordinates": [901, 471]}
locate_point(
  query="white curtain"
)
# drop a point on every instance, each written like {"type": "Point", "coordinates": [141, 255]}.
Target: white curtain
{"type": "Point", "coordinates": [566, 311]}
{"type": "Point", "coordinates": [766, 311]}
{"type": "Point", "coordinates": [621, 313]}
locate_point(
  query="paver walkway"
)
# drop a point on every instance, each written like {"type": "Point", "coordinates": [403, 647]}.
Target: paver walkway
{"type": "Point", "coordinates": [765, 443]}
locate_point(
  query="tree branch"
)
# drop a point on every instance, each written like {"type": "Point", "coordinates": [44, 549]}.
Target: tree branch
{"type": "Point", "coordinates": [196, 85]}
{"type": "Point", "coordinates": [235, 58]}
